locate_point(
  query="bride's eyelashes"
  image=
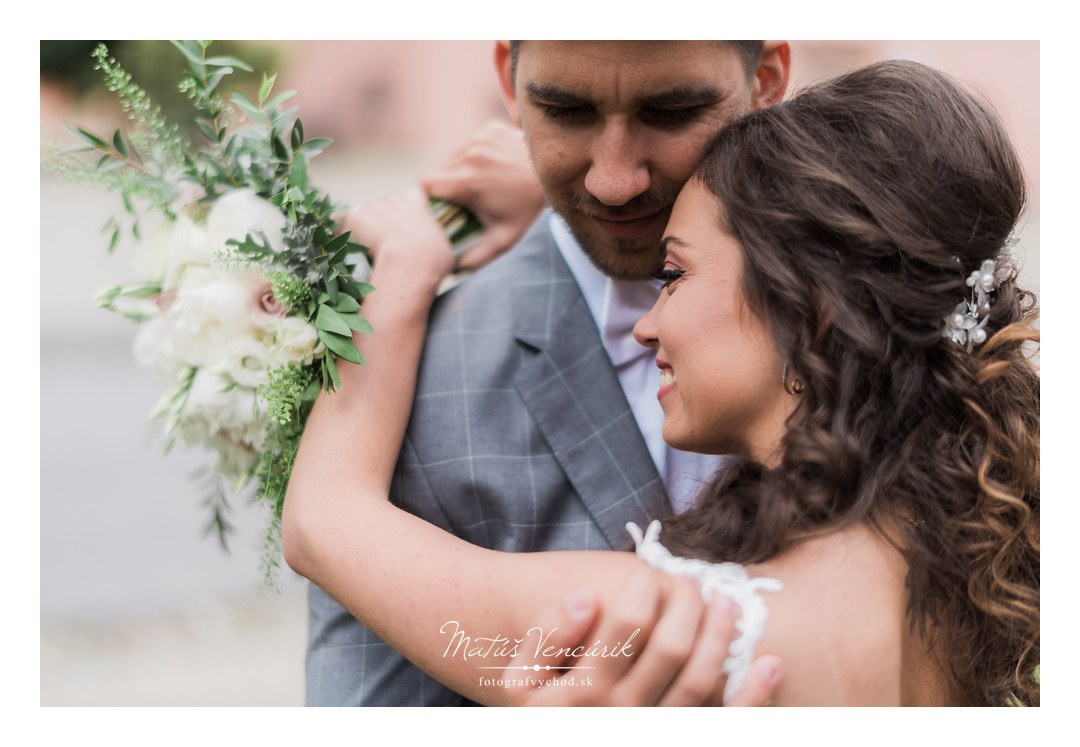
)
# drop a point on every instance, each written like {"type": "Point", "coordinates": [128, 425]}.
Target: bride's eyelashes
{"type": "Point", "coordinates": [668, 275]}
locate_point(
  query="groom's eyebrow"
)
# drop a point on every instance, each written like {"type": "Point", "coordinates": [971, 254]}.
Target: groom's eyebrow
{"type": "Point", "coordinates": [683, 96]}
{"type": "Point", "coordinates": [553, 95]}
{"type": "Point", "coordinates": [677, 97]}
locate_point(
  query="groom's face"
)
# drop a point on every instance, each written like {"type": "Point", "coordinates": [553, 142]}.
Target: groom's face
{"type": "Point", "coordinates": [615, 130]}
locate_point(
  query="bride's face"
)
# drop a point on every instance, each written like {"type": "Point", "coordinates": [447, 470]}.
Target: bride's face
{"type": "Point", "coordinates": [721, 382]}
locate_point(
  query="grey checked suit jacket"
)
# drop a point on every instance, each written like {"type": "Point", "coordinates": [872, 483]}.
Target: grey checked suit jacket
{"type": "Point", "coordinates": [520, 439]}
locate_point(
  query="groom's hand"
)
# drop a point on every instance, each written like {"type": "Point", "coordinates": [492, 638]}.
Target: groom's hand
{"type": "Point", "coordinates": [675, 657]}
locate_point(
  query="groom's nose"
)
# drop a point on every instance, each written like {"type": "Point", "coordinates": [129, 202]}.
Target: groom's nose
{"type": "Point", "coordinates": [619, 170]}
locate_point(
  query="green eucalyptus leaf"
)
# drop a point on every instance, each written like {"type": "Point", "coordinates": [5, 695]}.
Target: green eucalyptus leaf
{"type": "Point", "coordinates": [338, 242]}
{"type": "Point", "coordinates": [266, 86]}
{"type": "Point", "coordinates": [215, 79]}
{"type": "Point", "coordinates": [331, 378]}
{"type": "Point", "coordinates": [247, 106]}
{"type": "Point", "coordinates": [190, 50]}
{"type": "Point", "coordinates": [207, 130]}
{"type": "Point", "coordinates": [281, 97]}
{"type": "Point", "coordinates": [118, 143]}
{"type": "Point", "coordinates": [227, 60]}
{"type": "Point", "coordinates": [346, 305]}
{"type": "Point", "coordinates": [358, 323]}
{"type": "Point", "coordinates": [298, 175]}
{"type": "Point", "coordinates": [365, 288]}
{"type": "Point", "coordinates": [342, 346]}
{"type": "Point", "coordinates": [91, 138]}
{"type": "Point", "coordinates": [329, 320]}
{"type": "Point", "coordinates": [316, 144]}
{"type": "Point", "coordinates": [279, 149]}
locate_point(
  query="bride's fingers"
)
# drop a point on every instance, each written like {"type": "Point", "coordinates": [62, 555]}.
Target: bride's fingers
{"type": "Point", "coordinates": [668, 645]}
{"type": "Point", "coordinates": [562, 627]}
{"type": "Point", "coordinates": [400, 222]}
{"type": "Point", "coordinates": [701, 679]}
{"type": "Point", "coordinates": [625, 627]}
{"type": "Point", "coordinates": [760, 685]}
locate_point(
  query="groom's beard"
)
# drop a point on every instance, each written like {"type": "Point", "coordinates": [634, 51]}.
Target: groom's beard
{"type": "Point", "coordinates": [619, 257]}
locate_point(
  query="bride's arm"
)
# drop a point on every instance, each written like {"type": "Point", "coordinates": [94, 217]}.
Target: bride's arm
{"type": "Point", "coordinates": [413, 584]}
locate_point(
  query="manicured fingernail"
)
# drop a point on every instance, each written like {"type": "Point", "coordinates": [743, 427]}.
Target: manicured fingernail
{"type": "Point", "coordinates": [770, 670]}
{"type": "Point", "coordinates": [580, 603]}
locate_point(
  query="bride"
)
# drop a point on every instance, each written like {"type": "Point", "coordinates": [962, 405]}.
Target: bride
{"type": "Point", "coordinates": [840, 309]}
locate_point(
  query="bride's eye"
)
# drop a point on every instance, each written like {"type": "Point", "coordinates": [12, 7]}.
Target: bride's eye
{"type": "Point", "coordinates": [668, 275]}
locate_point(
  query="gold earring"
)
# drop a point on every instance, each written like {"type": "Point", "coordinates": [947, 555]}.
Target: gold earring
{"type": "Point", "coordinates": [794, 386]}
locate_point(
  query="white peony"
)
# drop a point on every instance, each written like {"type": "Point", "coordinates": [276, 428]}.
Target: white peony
{"type": "Point", "coordinates": [217, 406]}
{"type": "Point", "coordinates": [154, 349]}
{"type": "Point", "coordinates": [293, 340]}
{"type": "Point", "coordinates": [212, 311]}
{"type": "Point", "coordinates": [236, 214]}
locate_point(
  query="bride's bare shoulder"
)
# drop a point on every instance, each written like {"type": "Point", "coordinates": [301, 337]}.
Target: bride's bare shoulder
{"type": "Point", "coordinates": [839, 624]}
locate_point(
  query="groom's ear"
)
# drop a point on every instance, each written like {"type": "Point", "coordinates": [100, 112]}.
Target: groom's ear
{"type": "Point", "coordinates": [771, 76]}
{"type": "Point", "coordinates": [504, 67]}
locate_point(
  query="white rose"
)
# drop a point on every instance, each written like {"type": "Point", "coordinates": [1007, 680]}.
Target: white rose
{"type": "Point", "coordinates": [293, 340]}
{"type": "Point", "coordinates": [238, 213]}
{"type": "Point", "coordinates": [247, 362]}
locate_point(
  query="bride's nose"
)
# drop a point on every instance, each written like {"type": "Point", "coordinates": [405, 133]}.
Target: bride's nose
{"type": "Point", "coordinates": [645, 329]}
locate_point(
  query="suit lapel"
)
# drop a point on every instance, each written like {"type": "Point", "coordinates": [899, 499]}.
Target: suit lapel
{"type": "Point", "coordinates": [573, 394]}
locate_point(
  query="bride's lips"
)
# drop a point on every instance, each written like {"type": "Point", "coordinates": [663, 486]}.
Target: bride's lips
{"type": "Point", "coordinates": [667, 379]}
{"type": "Point", "coordinates": [630, 227]}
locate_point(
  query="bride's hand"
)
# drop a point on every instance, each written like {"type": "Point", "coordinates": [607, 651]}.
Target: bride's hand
{"type": "Point", "coordinates": [493, 177]}
{"type": "Point", "coordinates": [678, 643]}
{"type": "Point", "coordinates": [400, 230]}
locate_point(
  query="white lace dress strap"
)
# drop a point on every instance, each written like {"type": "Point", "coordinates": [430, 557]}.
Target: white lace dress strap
{"type": "Point", "coordinates": [729, 579]}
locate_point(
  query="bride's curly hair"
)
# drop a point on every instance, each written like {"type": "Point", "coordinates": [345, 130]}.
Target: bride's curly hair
{"type": "Point", "coordinates": [862, 205]}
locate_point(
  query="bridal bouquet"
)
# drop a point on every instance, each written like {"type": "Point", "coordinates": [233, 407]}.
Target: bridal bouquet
{"type": "Point", "coordinates": [249, 293]}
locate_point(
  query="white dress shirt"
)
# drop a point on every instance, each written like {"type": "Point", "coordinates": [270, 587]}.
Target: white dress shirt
{"type": "Point", "coordinates": [616, 305]}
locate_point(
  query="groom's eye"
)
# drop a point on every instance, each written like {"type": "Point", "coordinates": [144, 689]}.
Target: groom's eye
{"type": "Point", "coordinates": [670, 117]}
{"type": "Point", "coordinates": [566, 113]}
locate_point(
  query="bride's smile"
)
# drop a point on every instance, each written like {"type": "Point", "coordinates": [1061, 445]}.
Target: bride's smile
{"type": "Point", "coordinates": [720, 375]}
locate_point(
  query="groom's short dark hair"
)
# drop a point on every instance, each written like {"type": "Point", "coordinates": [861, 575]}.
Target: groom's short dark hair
{"type": "Point", "coordinates": [749, 51]}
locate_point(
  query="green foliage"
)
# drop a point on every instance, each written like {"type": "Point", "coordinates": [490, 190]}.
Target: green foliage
{"type": "Point", "coordinates": [240, 143]}
{"type": "Point", "coordinates": [291, 292]}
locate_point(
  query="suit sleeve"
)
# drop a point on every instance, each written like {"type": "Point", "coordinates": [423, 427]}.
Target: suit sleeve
{"type": "Point", "coordinates": [347, 664]}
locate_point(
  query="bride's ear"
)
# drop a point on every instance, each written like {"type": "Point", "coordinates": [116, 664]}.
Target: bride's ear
{"type": "Point", "coordinates": [771, 77]}
{"type": "Point", "coordinates": [504, 67]}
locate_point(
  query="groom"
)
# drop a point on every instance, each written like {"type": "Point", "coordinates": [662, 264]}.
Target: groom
{"type": "Point", "coordinates": [535, 424]}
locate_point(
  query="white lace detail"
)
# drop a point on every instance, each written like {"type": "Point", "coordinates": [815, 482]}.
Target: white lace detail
{"type": "Point", "coordinates": [729, 579]}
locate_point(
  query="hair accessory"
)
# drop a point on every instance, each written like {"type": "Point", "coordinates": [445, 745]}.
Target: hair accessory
{"type": "Point", "coordinates": [966, 325]}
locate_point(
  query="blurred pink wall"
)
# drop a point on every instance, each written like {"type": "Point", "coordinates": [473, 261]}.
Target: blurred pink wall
{"type": "Point", "coordinates": [1005, 73]}
{"type": "Point", "coordinates": [423, 98]}
{"type": "Point", "coordinates": [426, 97]}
